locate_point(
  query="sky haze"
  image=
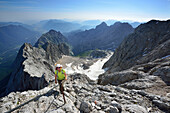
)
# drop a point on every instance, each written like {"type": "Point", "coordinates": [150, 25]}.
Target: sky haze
{"type": "Point", "coordinates": [134, 10]}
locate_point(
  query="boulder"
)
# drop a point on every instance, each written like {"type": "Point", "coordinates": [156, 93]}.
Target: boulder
{"type": "Point", "coordinates": [118, 77]}
{"type": "Point", "coordinates": [135, 108]}
{"type": "Point", "coordinates": [85, 107]}
{"type": "Point", "coordinates": [164, 72]}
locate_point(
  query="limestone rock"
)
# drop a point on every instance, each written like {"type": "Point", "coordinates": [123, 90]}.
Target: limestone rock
{"type": "Point", "coordinates": [135, 109]}
{"type": "Point", "coordinates": [85, 107]}
{"type": "Point", "coordinates": [118, 77]}
{"type": "Point", "coordinates": [148, 42]}
{"type": "Point", "coordinates": [51, 36]}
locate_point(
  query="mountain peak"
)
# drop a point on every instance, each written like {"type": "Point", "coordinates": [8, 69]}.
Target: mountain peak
{"type": "Point", "coordinates": [101, 26]}
{"type": "Point", "coordinates": [51, 36]}
{"type": "Point", "coordinates": [53, 31]}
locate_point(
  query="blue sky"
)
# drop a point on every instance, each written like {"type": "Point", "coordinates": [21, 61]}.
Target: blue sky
{"type": "Point", "coordinates": [135, 10]}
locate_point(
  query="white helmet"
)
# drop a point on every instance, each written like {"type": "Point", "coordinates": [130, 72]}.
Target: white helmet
{"type": "Point", "coordinates": [58, 65]}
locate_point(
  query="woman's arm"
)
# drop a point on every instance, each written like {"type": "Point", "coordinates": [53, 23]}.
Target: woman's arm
{"type": "Point", "coordinates": [55, 78]}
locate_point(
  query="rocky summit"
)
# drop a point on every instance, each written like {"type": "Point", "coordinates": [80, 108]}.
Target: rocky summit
{"type": "Point", "coordinates": [51, 36]}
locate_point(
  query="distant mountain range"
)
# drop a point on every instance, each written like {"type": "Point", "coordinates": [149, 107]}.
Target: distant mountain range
{"type": "Point", "coordinates": [12, 36]}
{"type": "Point", "coordinates": [59, 25]}
{"type": "Point", "coordinates": [102, 37]}
{"type": "Point", "coordinates": [94, 23]}
{"type": "Point", "coordinates": [2, 24]}
{"type": "Point", "coordinates": [65, 26]}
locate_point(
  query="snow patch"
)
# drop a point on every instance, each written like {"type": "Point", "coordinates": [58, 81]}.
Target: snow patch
{"type": "Point", "coordinates": [69, 69]}
{"type": "Point", "coordinates": [94, 70]}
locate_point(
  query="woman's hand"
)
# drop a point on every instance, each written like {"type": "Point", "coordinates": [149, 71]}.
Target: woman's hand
{"type": "Point", "coordinates": [56, 82]}
{"type": "Point", "coordinates": [65, 76]}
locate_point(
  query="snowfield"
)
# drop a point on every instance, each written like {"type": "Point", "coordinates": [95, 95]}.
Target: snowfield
{"type": "Point", "coordinates": [94, 70]}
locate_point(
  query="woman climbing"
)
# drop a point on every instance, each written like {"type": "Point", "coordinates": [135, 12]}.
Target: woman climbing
{"type": "Point", "coordinates": [61, 76]}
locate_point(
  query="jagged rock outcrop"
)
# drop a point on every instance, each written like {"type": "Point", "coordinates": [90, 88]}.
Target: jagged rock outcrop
{"type": "Point", "coordinates": [33, 67]}
{"type": "Point", "coordinates": [12, 36]}
{"type": "Point", "coordinates": [119, 77]}
{"type": "Point", "coordinates": [54, 43]}
{"type": "Point", "coordinates": [102, 37]}
{"type": "Point", "coordinates": [148, 42]}
{"type": "Point", "coordinates": [138, 75]}
{"type": "Point", "coordinates": [54, 51]}
{"type": "Point", "coordinates": [28, 70]}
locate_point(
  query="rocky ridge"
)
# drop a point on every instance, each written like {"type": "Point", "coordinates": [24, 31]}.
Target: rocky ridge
{"type": "Point", "coordinates": [33, 67]}
{"type": "Point", "coordinates": [84, 95]}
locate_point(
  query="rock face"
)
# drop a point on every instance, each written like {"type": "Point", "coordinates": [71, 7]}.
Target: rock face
{"type": "Point", "coordinates": [54, 43]}
{"type": "Point", "coordinates": [12, 38]}
{"type": "Point", "coordinates": [29, 68]}
{"type": "Point", "coordinates": [98, 54]}
{"type": "Point", "coordinates": [158, 67]}
{"type": "Point", "coordinates": [145, 48]}
{"type": "Point", "coordinates": [33, 67]}
{"type": "Point", "coordinates": [102, 37]}
{"type": "Point", "coordinates": [51, 36]}
{"type": "Point", "coordinates": [54, 52]}
{"type": "Point", "coordinates": [148, 42]}
{"type": "Point", "coordinates": [142, 63]}
{"type": "Point", "coordinates": [83, 95]}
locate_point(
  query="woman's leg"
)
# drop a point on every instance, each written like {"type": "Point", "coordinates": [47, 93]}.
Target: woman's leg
{"type": "Point", "coordinates": [62, 89]}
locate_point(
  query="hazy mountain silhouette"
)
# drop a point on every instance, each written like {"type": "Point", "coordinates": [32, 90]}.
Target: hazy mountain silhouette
{"type": "Point", "coordinates": [58, 25]}
{"type": "Point", "coordinates": [102, 37]}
